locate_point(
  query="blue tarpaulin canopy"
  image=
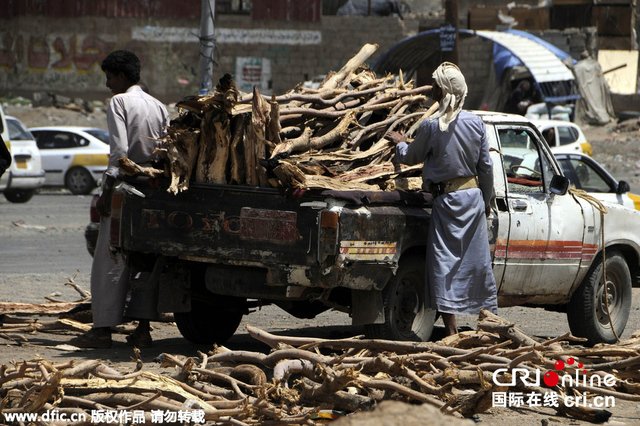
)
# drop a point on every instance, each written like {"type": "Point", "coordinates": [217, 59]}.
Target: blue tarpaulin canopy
{"type": "Point", "coordinates": [545, 62]}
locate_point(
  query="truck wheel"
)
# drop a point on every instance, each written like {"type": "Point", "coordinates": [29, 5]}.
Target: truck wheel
{"type": "Point", "coordinates": [79, 181]}
{"type": "Point", "coordinates": [206, 324]}
{"type": "Point", "coordinates": [405, 314]}
{"type": "Point", "coordinates": [587, 311]}
{"type": "Point", "coordinates": [19, 195]}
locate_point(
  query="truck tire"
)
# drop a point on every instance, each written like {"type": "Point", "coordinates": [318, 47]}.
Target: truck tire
{"type": "Point", "coordinates": [587, 312]}
{"type": "Point", "coordinates": [207, 324]}
{"type": "Point", "coordinates": [405, 315]}
{"type": "Point", "coordinates": [79, 181]}
{"type": "Point", "coordinates": [19, 195]}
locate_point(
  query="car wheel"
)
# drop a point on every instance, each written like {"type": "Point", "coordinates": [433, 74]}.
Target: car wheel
{"type": "Point", "coordinates": [587, 311]}
{"type": "Point", "coordinates": [207, 324]}
{"type": "Point", "coordinates": [79, 181]}
{"type": "Point", "coordinates": [19, 195]}
{"type": "Point", "coordinates": [405, 315]}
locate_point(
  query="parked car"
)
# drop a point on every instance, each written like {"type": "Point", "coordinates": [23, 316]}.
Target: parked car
{"type": "Point", "coordinates": [74, 157]}
{"type": "Point", "coordinates": [586, 174]}
{"type": "Point", "coordinates": [564, 136]}
{"type": "Point", "coordinates": [25, 175]}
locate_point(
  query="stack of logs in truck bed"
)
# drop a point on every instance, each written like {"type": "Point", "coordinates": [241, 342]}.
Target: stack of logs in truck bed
{"type": "Point", "coordinates": [330, 138]}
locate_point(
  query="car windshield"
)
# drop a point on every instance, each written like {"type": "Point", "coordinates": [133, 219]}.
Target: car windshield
{"type": "Point", "coordinates": [103, 135]}
{"type": "Point", "coordinates": [17, 132]}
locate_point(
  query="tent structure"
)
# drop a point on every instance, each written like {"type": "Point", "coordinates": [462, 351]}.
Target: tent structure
{"type": "Point", "coordinates": [516, 55]}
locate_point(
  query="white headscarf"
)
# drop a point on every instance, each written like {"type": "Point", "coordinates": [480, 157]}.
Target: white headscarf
{"type": "Point", "coordinates": [454, 90]}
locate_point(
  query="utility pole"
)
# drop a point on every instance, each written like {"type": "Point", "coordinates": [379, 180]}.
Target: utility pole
{"type": "Point", "coordinates": [207, 45]}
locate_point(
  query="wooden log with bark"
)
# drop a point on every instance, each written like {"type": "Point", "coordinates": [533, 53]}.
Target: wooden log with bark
{"type": "Point", "coordinates": [328, 135]}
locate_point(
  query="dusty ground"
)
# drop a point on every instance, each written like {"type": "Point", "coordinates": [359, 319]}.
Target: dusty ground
{"type": "Point", "coordinates": [618, 152]}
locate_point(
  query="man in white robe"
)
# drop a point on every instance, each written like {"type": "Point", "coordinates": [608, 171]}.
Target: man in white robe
{"type": "Point", "coordinates": [458, 172]}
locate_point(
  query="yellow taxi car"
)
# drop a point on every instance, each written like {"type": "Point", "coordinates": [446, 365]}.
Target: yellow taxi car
{"type": "Point", "coordinates": [564, 136]}
{"type": "Point", "coordinates": [72, 156]}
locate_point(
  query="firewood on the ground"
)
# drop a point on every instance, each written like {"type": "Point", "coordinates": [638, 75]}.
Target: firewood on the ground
{"type": "Point", "coordinates": [301, 375]}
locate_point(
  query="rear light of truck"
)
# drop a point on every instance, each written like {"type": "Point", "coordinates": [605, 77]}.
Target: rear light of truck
{"type": "Point", "coordinates": [22, 160]}
{"type": "Point", "coordinates": [327, 235]}
{"type": "Point", "coordinates": [116, 207]}
{"type": "Point", "coordinates": [329, 220]}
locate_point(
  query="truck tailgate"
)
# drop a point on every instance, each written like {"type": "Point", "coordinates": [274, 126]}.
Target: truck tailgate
{"type": "Point", "coordinates": [221, 222]}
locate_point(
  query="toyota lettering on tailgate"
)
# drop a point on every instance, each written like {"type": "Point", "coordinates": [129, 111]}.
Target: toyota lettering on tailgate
{"type": "Point", "coordinates": [268, 225]}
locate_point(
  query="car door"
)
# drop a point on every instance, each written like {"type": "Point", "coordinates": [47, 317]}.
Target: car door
{"type": "Point", "coordinates": [56, 148]}
{"type": "Point", "coordinates": [541, 238]}
{"type": "Point", "coordinates": [568, 137]}
{"type": "Point", "coordinates": [590, 177]}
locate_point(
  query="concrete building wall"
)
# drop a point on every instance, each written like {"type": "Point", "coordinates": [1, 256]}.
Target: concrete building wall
{"type": "Point", "coordinates": [322, 47]}
{"type": "Point", "coordinates": [476, 55]}
{"type": "Point", "coordinates": [63, 55]}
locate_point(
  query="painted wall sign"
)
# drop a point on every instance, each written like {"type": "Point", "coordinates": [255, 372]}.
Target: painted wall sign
{"type": "Point", "coordinates": [228, 35]}
{"type": "Point", "coordinates": [267, 36]}
{"type": "Point", "coordinates": [170, 34]}
{"type": "Point", "coordinates": [251, 72]}
{"type": "Point", "coordinates": [447, 37]}
{"type": "Point", "coordinates": [62, 53]}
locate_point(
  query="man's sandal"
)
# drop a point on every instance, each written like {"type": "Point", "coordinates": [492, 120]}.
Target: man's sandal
{"type": "Point", "coordinates": [138, 340]}
{"type": "Point", "coordinates": [91, 339]}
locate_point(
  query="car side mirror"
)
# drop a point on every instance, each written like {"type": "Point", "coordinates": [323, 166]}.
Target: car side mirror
{"type": "Point", "coordinates": [623, 187]}
{"type": "Point", "coordinates": [559, 185]}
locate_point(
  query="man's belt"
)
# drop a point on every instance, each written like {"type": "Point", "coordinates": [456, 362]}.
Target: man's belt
{"type": "Point", "coordinates": [452, 185]}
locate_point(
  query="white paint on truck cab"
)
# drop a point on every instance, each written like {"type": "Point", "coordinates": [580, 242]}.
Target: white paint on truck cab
{"type": "Point", "coordinates": [542, 237]}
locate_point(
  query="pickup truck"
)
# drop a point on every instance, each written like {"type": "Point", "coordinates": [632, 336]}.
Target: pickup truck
{"type": "Point", "coordinates": [217, 251]}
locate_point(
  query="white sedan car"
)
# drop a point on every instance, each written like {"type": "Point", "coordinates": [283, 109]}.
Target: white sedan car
{"type": "Point", "coordinates": [563, 136]}
{"type": "Point", "coordinates": [586, 174]}
{"type": "Point", "coordinates": [25, 175]}
{"type": "Point", "coordinates": [72, 156]}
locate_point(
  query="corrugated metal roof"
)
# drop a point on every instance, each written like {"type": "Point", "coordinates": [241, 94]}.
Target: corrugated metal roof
{"type": "Point", "coordinates": [555, 80]}
{"type": "Point", "coordinates": [408, 54]}
{"type": "Point", "coordinates": [544, 66]}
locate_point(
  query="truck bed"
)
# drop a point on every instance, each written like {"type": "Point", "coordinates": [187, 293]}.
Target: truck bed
{"type": "Point", "coordinates": [278, 230]}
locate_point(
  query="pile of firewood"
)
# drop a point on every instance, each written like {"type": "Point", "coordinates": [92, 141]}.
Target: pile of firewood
{"type": "Point", "coordinates": [331, 137]}
{"type": "Point", "coordinates": [303, 377]}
